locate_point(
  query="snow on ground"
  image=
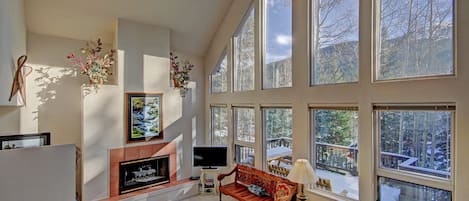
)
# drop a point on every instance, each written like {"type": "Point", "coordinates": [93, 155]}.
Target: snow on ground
{"type": "Point", "coordinates": [341, 182]}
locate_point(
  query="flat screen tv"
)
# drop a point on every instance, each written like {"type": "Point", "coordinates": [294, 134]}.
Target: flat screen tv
{"type": "Point", "coordinates": [210, 157]}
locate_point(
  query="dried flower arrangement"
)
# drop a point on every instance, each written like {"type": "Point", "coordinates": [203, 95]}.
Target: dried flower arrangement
{"type": "Point", "coordinates": [96, 65]}
{"type": "Point", "coordinates": [180, 73]}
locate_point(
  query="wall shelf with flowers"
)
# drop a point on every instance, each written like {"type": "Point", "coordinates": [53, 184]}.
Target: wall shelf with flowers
{"type": "Point", "coordinates": [180, 73]}
{"type": "Point", "coordinates": [94, 63]}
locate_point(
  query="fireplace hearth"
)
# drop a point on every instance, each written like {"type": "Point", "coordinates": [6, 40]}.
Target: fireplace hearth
{"type": "Point", "coordinates": [143, 173]}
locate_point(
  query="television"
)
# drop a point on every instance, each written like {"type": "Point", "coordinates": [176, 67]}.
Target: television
{"type": "Point", "coordinates": [210, 157]}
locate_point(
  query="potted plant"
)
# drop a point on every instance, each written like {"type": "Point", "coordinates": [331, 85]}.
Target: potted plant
{"type": "Point", "coordinates": [94, 63]}
{"type": "Point", "coordinates": [180, 73]}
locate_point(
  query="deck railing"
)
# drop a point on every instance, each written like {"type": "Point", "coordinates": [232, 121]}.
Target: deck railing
{"type": "Point", "coordinates": [244, 155]}
{"type": "Point", "coordinates": [337, 158]}
{"type": "Point", "coordinates": [278, 142]}
{"type": "Point", "coordinates": [407, 163]}
{"type": "Point", "coordinates": [343, 159]}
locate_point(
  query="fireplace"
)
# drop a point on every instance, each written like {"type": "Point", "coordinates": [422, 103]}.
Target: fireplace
{"type": "Point", "coordinates": [142, 173]}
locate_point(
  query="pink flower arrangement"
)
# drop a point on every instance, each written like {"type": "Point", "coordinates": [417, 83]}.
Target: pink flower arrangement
{"type": "Point", "coordinates": [95, 64]}
{"type": "Point", "coordinates": [180, 71]}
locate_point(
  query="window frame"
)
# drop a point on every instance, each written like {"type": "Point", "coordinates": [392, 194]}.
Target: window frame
{"type": "Point", "coordinates": [237, 142]}
{"type": "Point", "coordinates": [211, 137]}
{"type": "Point", "coordinates": [312, 148]}
{"type": "Point", "coordinates": [311, 46]}
{"type": "Point", "coordinates": [366, 77]}
{"type": "Point", "coordinates": [264, 135]}
{"type": "Point", "coordinates": [263, 35]}
{"type": "Point", "coordinates": [246, 15]}
{"type": "Point", "coordinates": [222, 56]}
{"type": "Point", "coordinates": [376, 46]}
{"type": "Point", "coordinates": [407, 176]}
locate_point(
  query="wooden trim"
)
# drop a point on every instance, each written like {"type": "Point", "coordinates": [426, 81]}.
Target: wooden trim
{"type": "Point", "coordinates": [338, 107]}
{"type": "Point", "coordinates": [435, 107]}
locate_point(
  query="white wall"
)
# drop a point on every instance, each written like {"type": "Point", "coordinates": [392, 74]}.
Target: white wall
{"type": "Point", "coordinates": [143, 57]}
{"type": "Point", "coordinates": [53, 93]}
{"type": "Point", "coordinates": [39, 173]}
{"type": "Point", "coordinates": [103, 128]}
{"type": "Point", "coordinates": [362, 94]}
{"type": "Point", "coordinates": [53, 89]}
{"type": "Point", "coordinates": [12, 45]}
{"type": "Point", "coordinates": [9, 120]}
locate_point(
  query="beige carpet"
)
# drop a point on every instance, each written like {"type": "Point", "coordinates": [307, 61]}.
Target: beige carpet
{"type": "Point", "coordinates": [209, 198]}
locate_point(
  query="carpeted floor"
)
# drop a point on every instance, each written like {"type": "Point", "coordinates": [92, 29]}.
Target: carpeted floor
{"type": "Point", "coordinates": [209, 198]}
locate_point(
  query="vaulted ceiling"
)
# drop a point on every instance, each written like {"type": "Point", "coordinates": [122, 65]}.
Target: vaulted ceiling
{"type": "Point", "coordinates": [192, 22]}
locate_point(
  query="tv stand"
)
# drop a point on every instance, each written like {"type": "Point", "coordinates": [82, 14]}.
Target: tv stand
{"type": "Point", "coordinates": [209, 168]}
{"type": "Point", "coordinates": [208, 179]}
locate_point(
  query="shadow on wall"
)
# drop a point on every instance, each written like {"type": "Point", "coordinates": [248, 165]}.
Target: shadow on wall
{"type": "Point", "coordinates": [57, 105]}
{"type": "Point", "coordinates": [49, 81]}
{"type": "Point", "coordinates": [97, 143]}
{"type": "Point", "coordinates": [58, 96]}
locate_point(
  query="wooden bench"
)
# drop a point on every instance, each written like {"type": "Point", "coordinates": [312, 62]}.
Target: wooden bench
{"type": "Point", "coordinates": [245, 176]}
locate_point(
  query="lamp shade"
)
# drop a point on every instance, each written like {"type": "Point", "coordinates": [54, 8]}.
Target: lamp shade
{"type": "Point", "coordinates": [302, 172]}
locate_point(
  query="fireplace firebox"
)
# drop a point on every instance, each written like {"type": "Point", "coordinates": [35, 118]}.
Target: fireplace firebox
{"type": "Point", "coordinates": [143, 173]}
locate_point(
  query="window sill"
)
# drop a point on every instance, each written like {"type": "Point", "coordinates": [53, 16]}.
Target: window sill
{"type": "Point", "coordinates": [328, 195]}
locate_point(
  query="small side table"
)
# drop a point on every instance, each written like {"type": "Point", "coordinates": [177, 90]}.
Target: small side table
{"type": "Point", "coordinates": [208, 181]}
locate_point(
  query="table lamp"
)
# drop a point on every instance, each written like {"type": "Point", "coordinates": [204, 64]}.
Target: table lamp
{"type": "Point", "coordinates": [301, 173]}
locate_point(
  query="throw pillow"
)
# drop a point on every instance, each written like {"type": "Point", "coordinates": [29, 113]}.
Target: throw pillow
{"type": "Point", "coordinates": [257, 190]}
{"type": "Point", "coordinates": [283, 192]}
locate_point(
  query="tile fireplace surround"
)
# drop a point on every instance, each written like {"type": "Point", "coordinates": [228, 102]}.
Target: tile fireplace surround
{"type": "Point", "coordinates": [139, 152]}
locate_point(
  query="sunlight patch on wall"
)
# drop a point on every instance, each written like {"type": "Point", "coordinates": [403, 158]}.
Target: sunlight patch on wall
{"type": "Point", "coordinates": [179, 155]}
{"type": "Point", "coordinates": [194, 130]}
{"type": "Point", "coordinates": [42, 86]}
{"type": "Point", "coordinates": [156, 80]}
{"type": "Point", "coordinates": [193, 91]}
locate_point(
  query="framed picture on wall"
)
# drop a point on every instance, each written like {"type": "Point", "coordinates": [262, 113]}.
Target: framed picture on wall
{"type": "Point", "coordinates": [24, 141]}
{"type": "Point", "coordinates": [144, 116]}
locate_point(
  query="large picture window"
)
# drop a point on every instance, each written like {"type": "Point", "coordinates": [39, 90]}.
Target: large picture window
{"type": "Point", "coordinates": [415, 141]}
{"type": "Point", "coordinates": [219, 76]}
{"type": "Point", "coordinates": [219, 125]}
{"type": "Point", "coordinates": [335, 41]}
{"type": "Point", "coordinates": [277, 128]}
{"type": "Point", "coordinates": [380, 55]}
{"type": "Point", "coordinates": [415, 39]}
{"type": "Point", "coordinates": [244, 53]}
{"type": "Point", "coordinates": [244, 134]}
{"type": "Point", "coordinates": [335, 149]}
{"type": "Point", "coordinates": [277, 71]}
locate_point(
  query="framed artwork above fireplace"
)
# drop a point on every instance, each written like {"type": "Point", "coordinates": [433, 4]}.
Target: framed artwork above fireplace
{"type": "Point", "coordinates": [144, 116]}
